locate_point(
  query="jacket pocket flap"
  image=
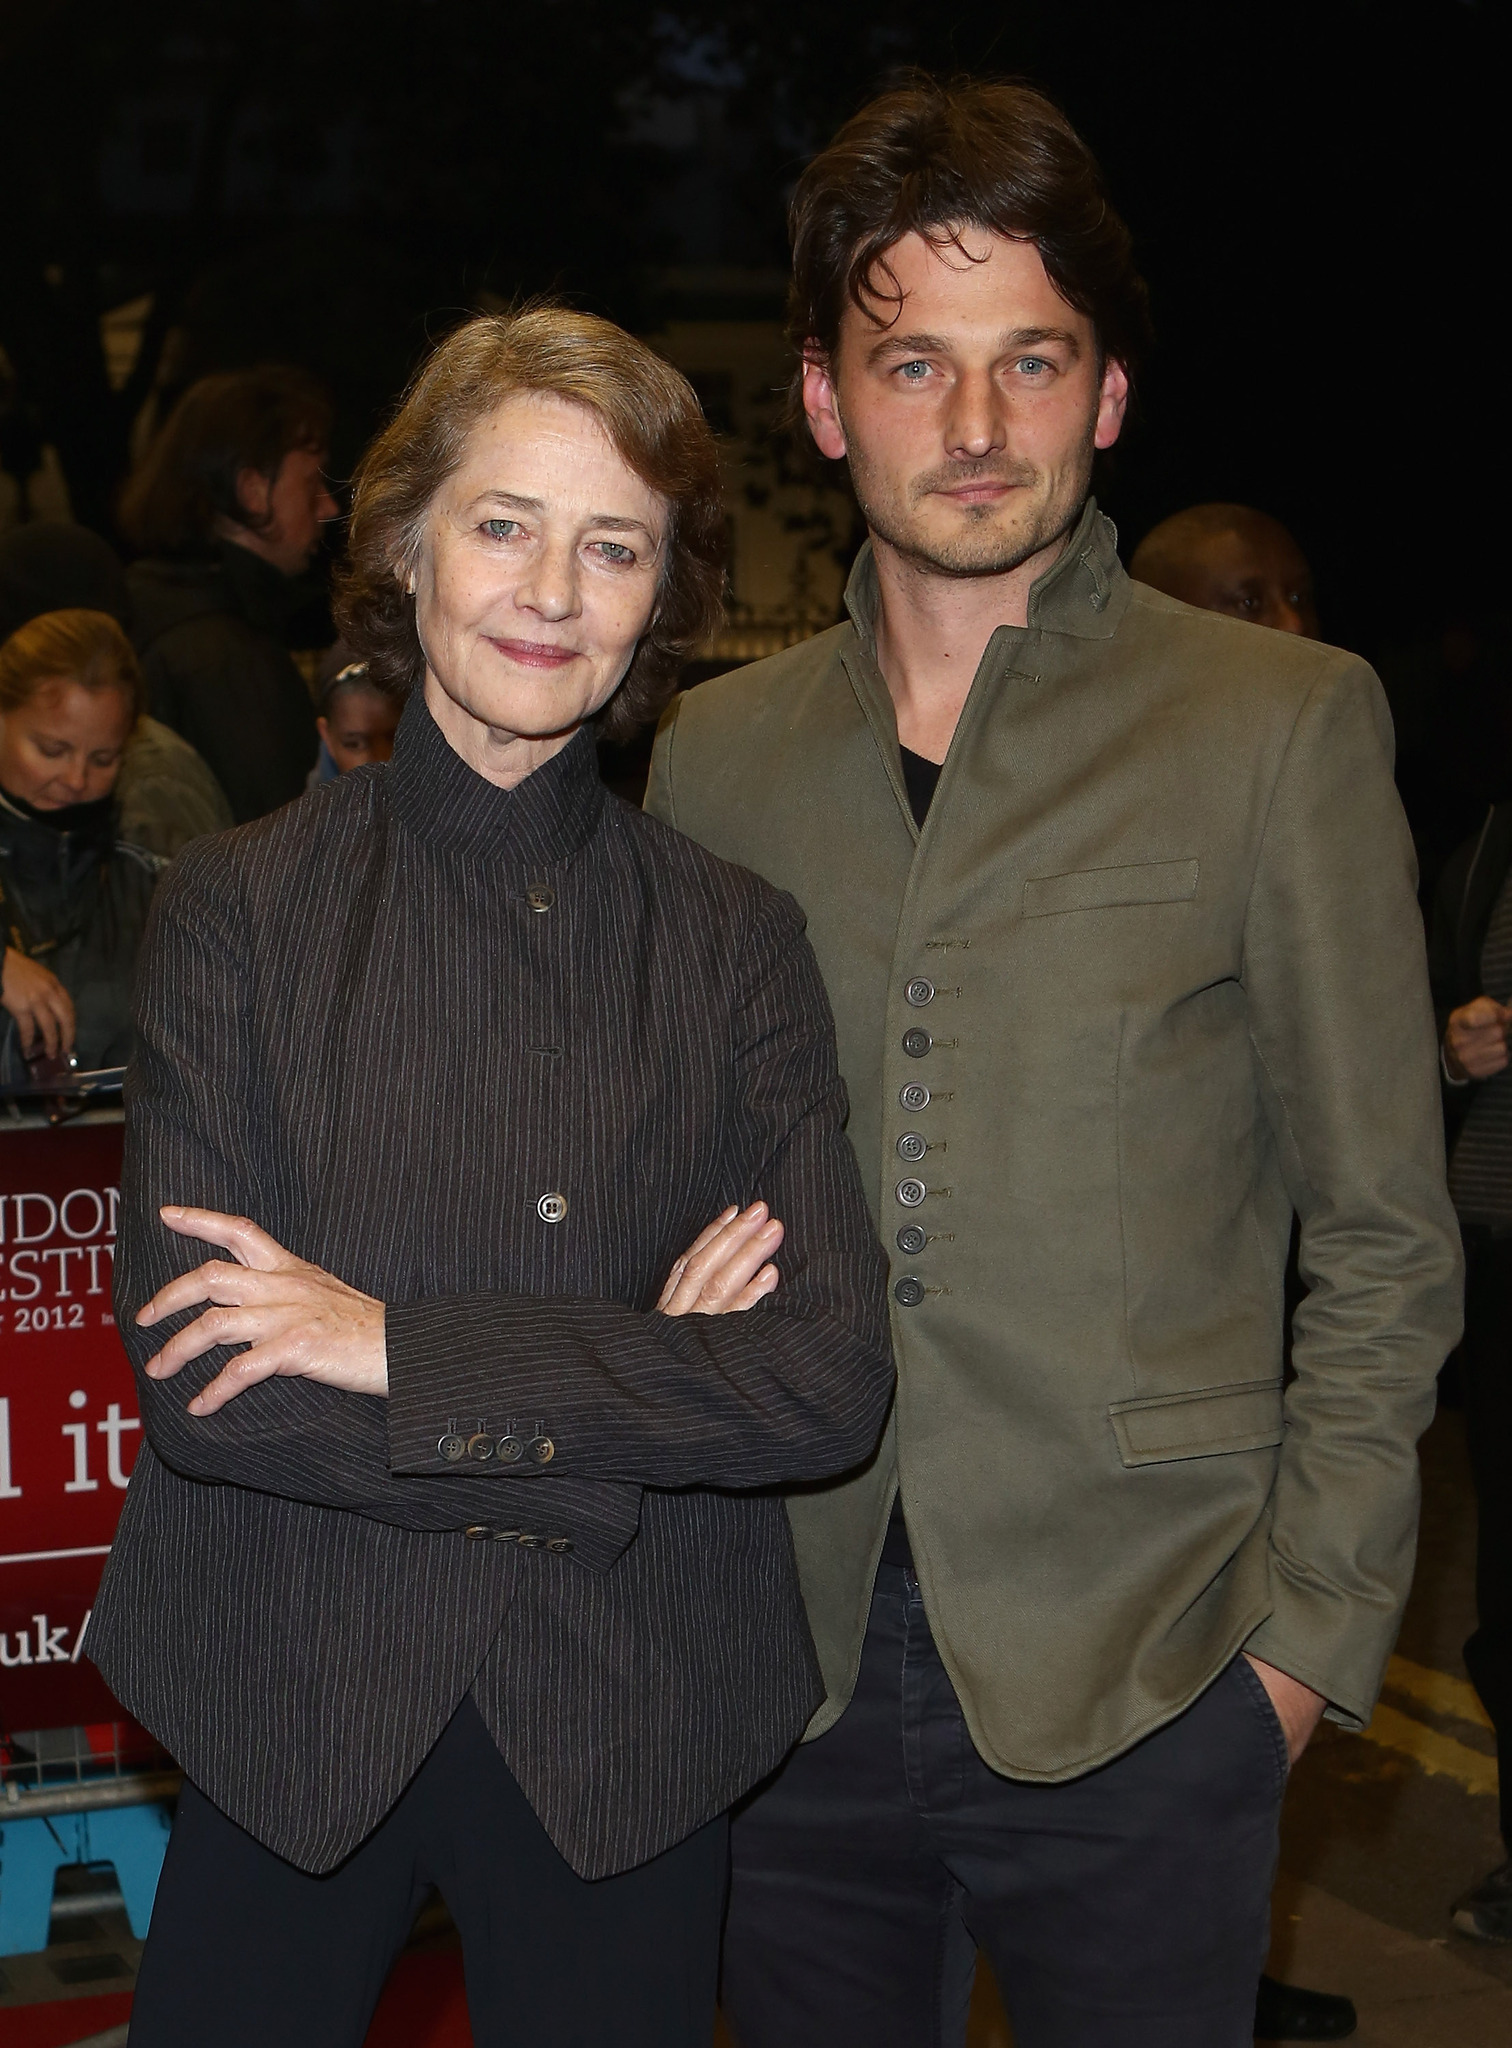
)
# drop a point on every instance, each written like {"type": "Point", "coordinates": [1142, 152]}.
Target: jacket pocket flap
{"type": "Point", "coordinates": [1152, 881]}
{"type": "Point", "coordinates": [1198, 1425]}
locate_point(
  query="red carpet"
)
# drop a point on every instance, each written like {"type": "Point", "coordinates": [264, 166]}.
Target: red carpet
{"type": "Point", "coordinates": [423, 2006]}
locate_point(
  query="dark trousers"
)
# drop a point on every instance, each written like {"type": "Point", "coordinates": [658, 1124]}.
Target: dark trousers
{"type": "Point", "coordinates": [245, 1951]}
{"type": "Point", "coordinates": [1486, 1375]}
{"type": "Point", "coordinates": [1128, 1906]}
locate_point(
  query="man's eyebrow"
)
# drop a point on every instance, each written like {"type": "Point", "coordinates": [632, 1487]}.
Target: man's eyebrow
{"type": "Point", "coordinates": [902, 346]}
{"type": "Point", "coordinates": [613, 520]}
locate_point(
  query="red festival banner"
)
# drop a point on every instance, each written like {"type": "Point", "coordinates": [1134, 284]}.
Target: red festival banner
{"type": "Point", "coordinates": [69, 1424]}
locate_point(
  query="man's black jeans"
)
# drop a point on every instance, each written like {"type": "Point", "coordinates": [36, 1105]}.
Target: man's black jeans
{"type": "Point", "coordinates": [1130, 1906]}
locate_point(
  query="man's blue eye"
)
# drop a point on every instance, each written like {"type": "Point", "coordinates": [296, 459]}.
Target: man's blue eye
{"type": "Point", "coordinates": [1034, 363]}
{"type": "Point", "coordinates": [908, 370]}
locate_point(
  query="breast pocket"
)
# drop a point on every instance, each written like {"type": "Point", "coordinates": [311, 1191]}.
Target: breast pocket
{"type": "Point", "coordinates": [1150, 881]}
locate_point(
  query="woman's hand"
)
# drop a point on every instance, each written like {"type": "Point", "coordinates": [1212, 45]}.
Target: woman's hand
{"type": "Point", "coordinates": [298, 1320]}
{"type": "Point", "coordinates": [1475, 1039]}
{"type": "Point", "coordinates": [40, 1004]}
{"type": "Point", "coordinates": [726, 1267]}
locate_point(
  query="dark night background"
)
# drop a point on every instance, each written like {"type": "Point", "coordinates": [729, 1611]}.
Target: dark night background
{"type": "Point", "coordinates": [1316, 193]}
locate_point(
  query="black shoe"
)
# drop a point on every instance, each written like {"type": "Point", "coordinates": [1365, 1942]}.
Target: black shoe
{"type": "Point", "coordinates": [1284, 2012]}
{"type": "Point", "coordinates": [1485, 1913]}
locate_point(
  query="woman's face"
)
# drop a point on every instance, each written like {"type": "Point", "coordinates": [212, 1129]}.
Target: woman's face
{"type": "Point", "coordinates": [64, 744]}
{"type": "Point", "coordinates": [538, 573]}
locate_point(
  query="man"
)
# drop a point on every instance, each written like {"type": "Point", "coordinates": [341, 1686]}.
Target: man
{"type": "Point", "coordinates": [228, 508]}
{"type": "Point", "coordinates": [1114, 903]}
{"type": "Point", "coordinates": [1471, 955]}
{"type": "Point", "coordinates": [1230, 558]}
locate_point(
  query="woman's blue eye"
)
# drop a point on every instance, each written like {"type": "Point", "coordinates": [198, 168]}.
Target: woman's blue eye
{"type": "Point", "coordinates": [613, 552]}
{"type": "Point", "coordinates": [495, 528]}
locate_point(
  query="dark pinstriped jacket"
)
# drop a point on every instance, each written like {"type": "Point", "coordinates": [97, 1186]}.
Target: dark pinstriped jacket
{"type": "Point", "coordinates": [386, 1022]}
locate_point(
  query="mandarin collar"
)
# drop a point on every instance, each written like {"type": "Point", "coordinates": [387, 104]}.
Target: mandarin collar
{"type": "Point", "coordinates": [539, 823]}
{"type": "Point", "coordinates": [1084, 592]}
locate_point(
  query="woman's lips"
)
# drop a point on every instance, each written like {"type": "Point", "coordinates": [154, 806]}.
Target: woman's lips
{"type": "Point", "coordinates": [534, 653]}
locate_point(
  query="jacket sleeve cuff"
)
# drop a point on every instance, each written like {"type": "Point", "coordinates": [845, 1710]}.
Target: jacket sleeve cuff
{"type": "Point", "coordinates": [1329, 1644]}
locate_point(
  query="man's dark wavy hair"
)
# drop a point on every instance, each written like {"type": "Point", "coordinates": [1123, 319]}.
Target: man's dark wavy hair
{"type": "Point", "coordinates": [931, 157]}
{"type": "Point", "coordinates": [234, 420]}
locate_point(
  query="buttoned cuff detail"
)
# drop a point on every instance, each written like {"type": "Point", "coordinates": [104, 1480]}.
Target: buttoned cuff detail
{"type": "Point", "coordinates": [521, 1446]}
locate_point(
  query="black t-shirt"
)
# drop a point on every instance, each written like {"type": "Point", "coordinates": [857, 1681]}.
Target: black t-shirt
{"type": "Point", "coordinates": [920, 778]}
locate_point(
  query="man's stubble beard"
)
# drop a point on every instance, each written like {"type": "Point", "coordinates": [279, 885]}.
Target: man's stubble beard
{"type": "Point", "coordinates": [988, 551]}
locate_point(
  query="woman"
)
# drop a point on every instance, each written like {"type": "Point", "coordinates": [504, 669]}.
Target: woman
{"type": "Point", "coordinates": [467, 1569]}
{"type": "Point", "coordinates": [73, 896]}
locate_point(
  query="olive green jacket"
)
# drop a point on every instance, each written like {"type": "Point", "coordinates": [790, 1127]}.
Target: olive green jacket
{"type": "Point", "coordinates": [1156, 959]}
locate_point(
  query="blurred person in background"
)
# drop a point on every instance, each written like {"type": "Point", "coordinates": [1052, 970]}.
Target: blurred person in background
{"type": "Point", "coordinates": [1470, 958]}
{"type": "Point", "coordinates": [165, 795]}
{"type": "Point", "coordinates": [227, 511]}
{"type": "Point", "coordinates": [357, 720]}
{"type": "Point", "coordinates": [1233, 559]}
{"type": "Point", "coordinates": [73, 893]}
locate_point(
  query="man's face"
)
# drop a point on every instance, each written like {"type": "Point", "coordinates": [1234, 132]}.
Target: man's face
{"type": "Point", "coordinates": [288, 510]}
{"type": "Point", "coordinates": [1260, 575]}
{"type": "Point", "coordinates": [969, 421]}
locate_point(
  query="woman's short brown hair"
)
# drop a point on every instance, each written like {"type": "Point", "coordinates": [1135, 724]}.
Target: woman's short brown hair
{"type": "Point", "coordinates": [932, 157]}
{"type": "Point", "coordinates": [650, 414]}
{"type": "Point", "coordinates": [87, 648]}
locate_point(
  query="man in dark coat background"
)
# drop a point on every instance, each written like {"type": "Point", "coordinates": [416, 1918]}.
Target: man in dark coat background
{"type": "Point", "coordinates": [227, 511]}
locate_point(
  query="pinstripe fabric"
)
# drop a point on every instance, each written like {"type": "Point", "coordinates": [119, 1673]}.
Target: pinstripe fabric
{"type": "Point", "coordinates": [353, 1027]}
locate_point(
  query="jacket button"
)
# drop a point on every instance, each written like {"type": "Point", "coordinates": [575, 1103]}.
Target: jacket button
{"type": "Point", "coordinates": [916, 1042]}
{"type": "Point", "coordinates": [912, 1146]}
{"type": "Point", "coordinates": [913, 1094]}
{"type": "Point", "coordinates": [908, 1293]}
{"type": "Point", "coordinates": [539, 897]}
{"type": "Point", "coordinates": [528, 1542]}
{"type": "Point", "coordinates": [560, 1544]}
{"type": "Point", "coordinates": [911, 1239]}
{"type": "Point", "coordinates": [919, 992]}
{"type": "Point", "coordinates": [506, 1535]}
{"type": "Point", "coordinates": [452, 1447]}
{"type": "Point", "coordinates": [479, 1532]}
{"type": "Point", "coordinates": [480, 1448]}
{"type": "Point", "coordinates": [511, 1450]}
{"type": "Point", "coordinates": [911, 1193]}
{"type": "Point", "coordinates": [543, 1450]}
{"type": "Point", "coordinates": [552, 1208]}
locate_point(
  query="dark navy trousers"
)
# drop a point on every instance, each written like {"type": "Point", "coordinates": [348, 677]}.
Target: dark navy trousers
{"type": "Point", "coordinates": [245, 1951]}
{"type": "Point", "coordinates": [1126, 1909]}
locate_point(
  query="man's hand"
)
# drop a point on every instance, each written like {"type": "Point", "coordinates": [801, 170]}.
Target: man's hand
{"type": "Point", "coordinates": [40, 1004]}
{"type": "Point", "coordinates": [297, 1319]}
{"type": "Point", "coordinates": [726, 1267]}
{"type": "Point", "coordinates": [1475, 1039]}
{"type": "Point", "coordinates": [1298, 1708]}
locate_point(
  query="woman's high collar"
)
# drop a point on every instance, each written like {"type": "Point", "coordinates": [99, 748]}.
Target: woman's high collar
{"type": "Point", "coordinates": [539, 823]}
